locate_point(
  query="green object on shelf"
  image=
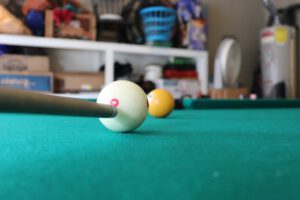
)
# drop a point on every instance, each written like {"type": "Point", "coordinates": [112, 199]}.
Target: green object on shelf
{"type": "Point", "coordinates": [182, 61]}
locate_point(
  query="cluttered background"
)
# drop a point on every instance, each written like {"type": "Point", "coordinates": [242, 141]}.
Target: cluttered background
{"type": "Point", "coordinates": [252, 46]}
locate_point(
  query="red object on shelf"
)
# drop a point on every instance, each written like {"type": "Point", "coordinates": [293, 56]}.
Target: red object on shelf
{"type": "Point", "coordinates": [62, 16]}
{"type": "Point", "coordinates": [171, 73]}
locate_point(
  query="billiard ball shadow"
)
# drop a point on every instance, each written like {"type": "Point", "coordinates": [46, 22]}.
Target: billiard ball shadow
{"type": "Point", "coordinates": [155, 128]}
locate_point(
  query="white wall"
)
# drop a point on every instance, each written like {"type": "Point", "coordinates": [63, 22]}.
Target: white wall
{"type": "Point", "coordinates": [242, 19]}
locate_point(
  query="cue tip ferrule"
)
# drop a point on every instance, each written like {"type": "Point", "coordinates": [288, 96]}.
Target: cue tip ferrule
{"type": "Point", "coordinates": [114, 112]}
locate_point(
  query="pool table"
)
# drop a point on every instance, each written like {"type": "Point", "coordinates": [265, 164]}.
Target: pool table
{"type": "Point", "coordinates": [221, 152]}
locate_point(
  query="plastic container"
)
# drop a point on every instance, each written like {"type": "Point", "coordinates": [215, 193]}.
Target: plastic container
{"type": "Point", "coordinates": [153, 72]}
{"type": "Point", "coordinates": [158, 23]}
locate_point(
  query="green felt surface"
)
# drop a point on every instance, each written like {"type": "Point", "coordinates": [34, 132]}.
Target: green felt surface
{"type": "Point", "coordinates": [193, 154]}
{"type": "Point", "coordinates": [239, 104]}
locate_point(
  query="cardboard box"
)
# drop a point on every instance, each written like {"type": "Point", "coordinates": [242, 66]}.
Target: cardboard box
{"type": "Point", "coordinates": [228, 93]}
{"type": "Point", "coordinates": [21, 63]}
{"type": "Point", "coordinates": [78, 81]}
{"type": "Point", "coordinates": [82, 26]}
{"type": "Point", "coordinates": [180, 88]}
{"type": "Point", "coordinates": [37, 81]}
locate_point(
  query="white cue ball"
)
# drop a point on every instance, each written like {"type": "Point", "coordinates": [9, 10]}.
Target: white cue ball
{"type": "Point", "coordinates": [131, 103]}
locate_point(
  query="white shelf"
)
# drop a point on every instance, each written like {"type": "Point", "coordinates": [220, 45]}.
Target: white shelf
{"type": "Point", "coordinates": [201, 57]}
{"type": "Point", "coordinates": [82, 95]}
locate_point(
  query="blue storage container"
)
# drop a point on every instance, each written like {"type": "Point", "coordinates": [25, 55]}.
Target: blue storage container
{"type": "Point", "coordinates": [158, 23]}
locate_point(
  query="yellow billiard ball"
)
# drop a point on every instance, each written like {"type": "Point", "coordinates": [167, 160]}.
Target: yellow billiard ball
{"type": "Point", "coordinates": [161, 103]}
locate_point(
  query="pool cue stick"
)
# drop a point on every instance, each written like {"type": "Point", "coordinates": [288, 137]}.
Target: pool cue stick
{"type": "Point", "coordinates": [20, 101]}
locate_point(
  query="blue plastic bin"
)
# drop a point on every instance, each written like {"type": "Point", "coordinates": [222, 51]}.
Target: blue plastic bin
{"type": "Point", "coordinates": [158, 23]}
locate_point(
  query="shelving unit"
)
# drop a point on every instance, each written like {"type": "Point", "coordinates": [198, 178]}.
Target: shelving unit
{"type": "Point", "coordinates": [110, 49]}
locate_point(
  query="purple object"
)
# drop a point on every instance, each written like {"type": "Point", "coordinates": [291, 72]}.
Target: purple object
{"type": "Point", "coordinates": [189, 9]}
{"type": "Point", "coordinates": [192, 18]}
{"type": "Point", "coordinates": [197, 38]}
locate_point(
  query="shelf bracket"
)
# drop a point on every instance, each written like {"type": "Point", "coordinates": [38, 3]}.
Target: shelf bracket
{"type": "Point", "coordinates": [109, 66]}
{"type": "Point", "coordinates": [202, 70]}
